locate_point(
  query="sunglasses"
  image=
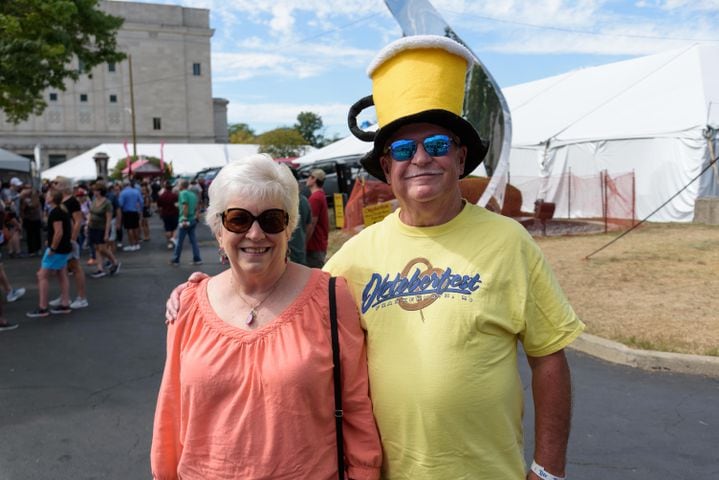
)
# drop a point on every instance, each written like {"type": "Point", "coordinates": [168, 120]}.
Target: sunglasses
{"type": "Point", "coordinates": [239, 220]}
{"type": "Point", "coordinates": [435, 146]}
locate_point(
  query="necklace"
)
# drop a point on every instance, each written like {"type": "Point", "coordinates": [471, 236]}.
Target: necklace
{"type": "Point", "coordinates": [252, 316]}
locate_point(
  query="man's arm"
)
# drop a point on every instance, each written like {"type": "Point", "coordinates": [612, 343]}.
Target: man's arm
{"type": "Point", "coordinates": [552, 393]}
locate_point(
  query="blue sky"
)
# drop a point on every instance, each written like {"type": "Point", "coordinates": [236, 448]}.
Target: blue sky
{"type": "Point", "coordinates": [273, 59]}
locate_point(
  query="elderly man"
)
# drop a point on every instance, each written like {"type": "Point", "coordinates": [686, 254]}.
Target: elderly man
{"type": "Point", "coordinates": [447, 289]}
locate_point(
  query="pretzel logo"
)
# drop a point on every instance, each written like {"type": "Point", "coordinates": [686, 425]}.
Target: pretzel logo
{"type": "Point", "coordinates": [407, 304]}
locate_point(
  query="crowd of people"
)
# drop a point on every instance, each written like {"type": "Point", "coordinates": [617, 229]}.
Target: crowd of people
{"type": "Point", "coordinates": [66, 223]}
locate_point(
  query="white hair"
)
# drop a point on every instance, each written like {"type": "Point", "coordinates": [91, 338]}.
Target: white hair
{"type": "Point", "coordinates": [258, 177]}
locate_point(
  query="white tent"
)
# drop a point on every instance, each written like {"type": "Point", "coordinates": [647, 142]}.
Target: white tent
{"type": "Point", "coordinates": [13, 162]}
{"type": "Point", "coordinates": [647, 115]}
{"type": "Point", "coordinates": [186, 158]}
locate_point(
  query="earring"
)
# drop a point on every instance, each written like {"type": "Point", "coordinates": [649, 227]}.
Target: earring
{"type": "Point", "coordinates": [223, 256]}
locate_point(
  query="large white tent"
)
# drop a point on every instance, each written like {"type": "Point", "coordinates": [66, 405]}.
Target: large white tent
{"type": "Point", "coordinates": [186, 158]}
{"type": "Point", "coordinates": [648, 115]}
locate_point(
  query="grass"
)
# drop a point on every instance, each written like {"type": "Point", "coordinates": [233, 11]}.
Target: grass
{"type": "Point", "coordinates": [655, 289]}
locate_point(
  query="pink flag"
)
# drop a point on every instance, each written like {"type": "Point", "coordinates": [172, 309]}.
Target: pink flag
{"type": "Point", "coordinates": [129, 160]}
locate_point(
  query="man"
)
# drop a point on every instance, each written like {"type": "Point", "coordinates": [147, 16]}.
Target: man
{"type": "Point", "coordinates": [446, 289]}
{"type": "Point", "coordinates": [189, 214]}
{"type": "Point", "coordinates": [298, 240]}
{"type": "Point", "coordinates": [318, 230]}
{"type": "Point", "coordinates": [131, 204]}
{"type": "Point", "coordinates": [167, 204]}
{"type": "Point", "coordinates": [71, 204]}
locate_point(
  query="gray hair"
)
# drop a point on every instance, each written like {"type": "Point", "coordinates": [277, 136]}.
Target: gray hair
{"type": "Point", "coordinates": [256, 176]}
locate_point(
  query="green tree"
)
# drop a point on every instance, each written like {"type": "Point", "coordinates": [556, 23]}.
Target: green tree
{"type": "Point", "coordinates": [282, 142]}
{"type": "Point", "coordinates": [38, 41]}
{"type": "Point", "coordinates": [310, 127]}
{"type": "Point", "coordinates": [241, 133]}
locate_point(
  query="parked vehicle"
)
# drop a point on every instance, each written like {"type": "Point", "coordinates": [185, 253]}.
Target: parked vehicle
{"type": "Point", "coordinates": [340, 175]}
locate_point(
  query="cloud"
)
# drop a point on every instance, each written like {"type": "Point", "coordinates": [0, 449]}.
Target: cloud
{"type": "Point", "coordinates": [274, 115]}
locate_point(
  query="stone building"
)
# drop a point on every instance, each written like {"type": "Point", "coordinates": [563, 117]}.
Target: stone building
{"type": "Point", "coordinates": [169, 56]}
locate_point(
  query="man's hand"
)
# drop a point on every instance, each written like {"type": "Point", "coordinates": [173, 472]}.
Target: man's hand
{"type": "Point", "coordinates": [172, 307]}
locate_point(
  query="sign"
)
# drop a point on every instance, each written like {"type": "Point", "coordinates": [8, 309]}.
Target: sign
{"type": "Point", "coordinates": [339, 210]}
{"type": "Point", "coordinates": [375, 213]}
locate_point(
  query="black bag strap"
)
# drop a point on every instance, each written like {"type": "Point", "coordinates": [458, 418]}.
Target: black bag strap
{"type": "Point", "coordinates": [337, 380]}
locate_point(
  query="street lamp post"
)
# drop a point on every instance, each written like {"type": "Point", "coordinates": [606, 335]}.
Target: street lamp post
{"type": "Point", "coordinates": [101, 159]}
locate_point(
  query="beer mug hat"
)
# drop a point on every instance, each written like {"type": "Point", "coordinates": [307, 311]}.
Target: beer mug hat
{"type": "Point", "coordinates": [418, 79]}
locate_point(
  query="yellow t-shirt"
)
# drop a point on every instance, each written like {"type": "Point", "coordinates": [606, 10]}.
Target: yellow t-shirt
{"type": "Point", "coordinates": [443, 308]}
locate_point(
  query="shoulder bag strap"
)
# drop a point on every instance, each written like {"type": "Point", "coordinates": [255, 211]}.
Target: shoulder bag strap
{"type": "Point", "coordinates": [337, 380]}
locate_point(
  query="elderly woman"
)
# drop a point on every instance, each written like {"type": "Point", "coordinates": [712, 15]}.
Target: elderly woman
{"type": "Point", "coordinates": [247, 390]}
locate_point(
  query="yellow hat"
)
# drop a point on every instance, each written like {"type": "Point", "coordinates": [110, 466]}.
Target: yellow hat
{"type": "Point", "coordinates": [418, 79]}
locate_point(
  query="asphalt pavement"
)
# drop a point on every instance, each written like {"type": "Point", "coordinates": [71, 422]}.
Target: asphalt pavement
{"type": "Point", "coordinates": [77, 391]}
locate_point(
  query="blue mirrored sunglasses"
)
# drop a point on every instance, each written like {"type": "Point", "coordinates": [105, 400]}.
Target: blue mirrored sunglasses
{"type": "Point", "coordinates": [435, 146]}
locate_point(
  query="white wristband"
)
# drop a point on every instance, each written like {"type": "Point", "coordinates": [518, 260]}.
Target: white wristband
{"type": "Point", "coordinates": [542, 473]}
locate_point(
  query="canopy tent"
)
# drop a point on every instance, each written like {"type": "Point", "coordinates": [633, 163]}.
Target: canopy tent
{"type": "Point", "coordinates": [186, 158]}
{"type": "Point", "coordinates": [648, 115]}
{"type": "Point", "coordinates": [13, 162]}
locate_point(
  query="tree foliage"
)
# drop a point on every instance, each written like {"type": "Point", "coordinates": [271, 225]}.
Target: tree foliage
{"type": "Point", "coordinates": [310, 126]}
{"type": "Point", "coordinates": [38, 41]}
{"type": "Point", "coordinates": [241, 133]}
{"type": "Point", "coordinates": [282, 142]}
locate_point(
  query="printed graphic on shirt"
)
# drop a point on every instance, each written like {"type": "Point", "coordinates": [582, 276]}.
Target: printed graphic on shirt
{"type": "Point", "coordinates": [417, 286]}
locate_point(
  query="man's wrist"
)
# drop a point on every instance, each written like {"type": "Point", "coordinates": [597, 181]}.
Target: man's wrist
{"type": "Point", "coordinates": [542, 473]}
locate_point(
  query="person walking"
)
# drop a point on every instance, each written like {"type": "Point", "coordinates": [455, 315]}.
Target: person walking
{"type": "Point", "coordinates": [55, 259]}
{"type": "Point", "coordinates": [146, 210]}
{"type": "Point", "coordinates": [318, 231]}
{"type": "Point", "coordinates": [31, 213]}
{"type": "Point", "coordinates": [99, 231]}
{"type": "Point", "coordinates": [72, 207]}
{"type": "Point", "coordinates": [131, 204]}
{"type": "Point", "coordinates": [247, 390]}
{"type": "Point", "coordinates": [189, 214]}
{"type": "Point", "coordinates": [167, 206]}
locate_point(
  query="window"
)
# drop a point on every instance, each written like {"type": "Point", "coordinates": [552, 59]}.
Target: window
{"type": "Point", "coordinates": [196, 70]}
{"type": "Point", "coordinates": [83, 97]}
{"type": "Point", "coordinates": [56, 159]}
{"type": "Point", "coordinates": [156, 123]}
{"type": "Point", "coordinates": [53, 97]}
{"type": "Point", "coordinates": [80, 66]}
{"type": "Point", "coordinates": [111, 67]}
{"type": "Point", "coordinates": [113, 98]}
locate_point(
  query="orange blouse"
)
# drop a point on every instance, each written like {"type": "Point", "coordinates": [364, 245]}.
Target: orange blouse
{"type": "Point", "coordinates": [237, 404]}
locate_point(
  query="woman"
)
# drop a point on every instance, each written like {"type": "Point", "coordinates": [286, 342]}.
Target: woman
{"type": "Point", "coordinates": [12, 229]}
{"type": "Point", "coordinates": [99, 229]}
{"type": "Point", "coordinates": [59, 247]}
{"type": "Point", "coordinates": [31, 212]}
{"type": "Point", "coordinates": [146, 210]}
{"type": "Point", "coordinates": [247, 390]}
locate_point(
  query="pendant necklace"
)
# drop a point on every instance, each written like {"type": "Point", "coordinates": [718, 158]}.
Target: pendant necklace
{"type": "Point", "coordinates": [252, 316]}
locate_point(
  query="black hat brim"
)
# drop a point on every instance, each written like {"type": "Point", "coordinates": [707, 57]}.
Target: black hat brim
{"type": "Point", "coordinates": [476, 147]}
